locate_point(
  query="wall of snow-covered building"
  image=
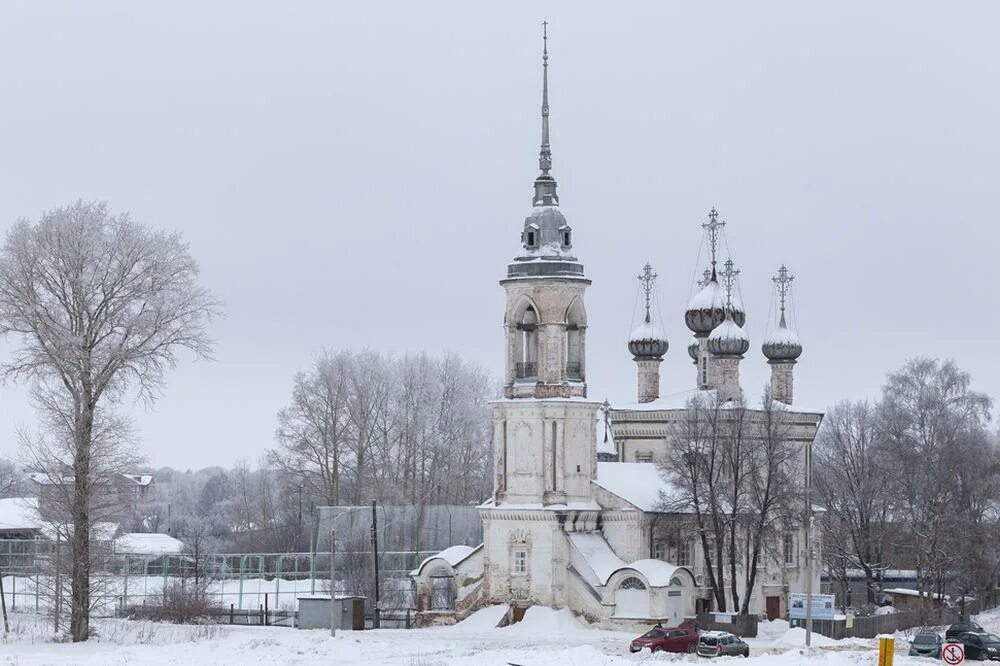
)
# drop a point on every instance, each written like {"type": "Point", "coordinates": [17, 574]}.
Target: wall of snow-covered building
{"type": "Point", "coordinates": [448, 585]}
{"type": "Point", "coordinates": [526, 553]}
{"type": "Point", "coordinates": [627, 532]}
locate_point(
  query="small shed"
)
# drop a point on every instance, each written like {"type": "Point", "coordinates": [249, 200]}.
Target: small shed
{"type": "Point", "coordinates": [315, 613]}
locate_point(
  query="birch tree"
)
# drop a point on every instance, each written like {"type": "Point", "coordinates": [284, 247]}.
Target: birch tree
{"type": "Point", "coordinates": [99, 307]}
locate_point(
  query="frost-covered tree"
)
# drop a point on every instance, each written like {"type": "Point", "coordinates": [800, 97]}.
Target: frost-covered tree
{"type": "Point", "coordinates": [944, 470]}
{"type": "Point", "coordinates": [409, 430]}
{"type": "Point", "coordinates": [853, 481]}
{"type": "Point", "coordinates": [99, 307]}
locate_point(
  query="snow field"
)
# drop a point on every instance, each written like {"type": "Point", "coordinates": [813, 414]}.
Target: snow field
{"type": "Point", "coordinates": [544, 637]}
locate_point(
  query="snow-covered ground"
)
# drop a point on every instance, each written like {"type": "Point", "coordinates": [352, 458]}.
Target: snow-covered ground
{"type": "Point", "coordinates": [544, 637]}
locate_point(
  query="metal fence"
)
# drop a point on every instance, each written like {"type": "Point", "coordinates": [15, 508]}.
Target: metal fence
{"type": "Point", "coordinates": [244, 582]}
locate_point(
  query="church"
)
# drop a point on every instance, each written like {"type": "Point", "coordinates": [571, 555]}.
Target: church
{"type": "Point", "coordinates": [585, 511]}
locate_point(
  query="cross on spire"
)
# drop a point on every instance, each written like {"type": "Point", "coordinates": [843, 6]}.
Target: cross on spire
{"type": "Point", "coordinates": [646, 278]}
{"type": "Point", "coordinates": [713, 227]}
{"type": "Point", "coordinates": [706, 277]}
{"type": "Point", "coordinates": [729, 274]}
{"type": "Point", "coordinates": [783, 282]}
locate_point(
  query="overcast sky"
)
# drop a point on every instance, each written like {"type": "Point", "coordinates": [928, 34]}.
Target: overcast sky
{"type": "Point", "coordinates": [357, 174]}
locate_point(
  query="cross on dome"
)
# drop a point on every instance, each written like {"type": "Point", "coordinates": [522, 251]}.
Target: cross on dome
{"type": "Point", "coordinates": [713, 227]}
{"type": "Point", "coordinates": [647, 277]}
{"type": "Point", "coordinates": [729, 274]}
{"type": "Point", "coordinates": [783, 281]}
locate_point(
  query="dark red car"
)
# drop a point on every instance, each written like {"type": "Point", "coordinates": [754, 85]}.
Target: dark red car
{"type": "Point", "coordinates": [667, 639]}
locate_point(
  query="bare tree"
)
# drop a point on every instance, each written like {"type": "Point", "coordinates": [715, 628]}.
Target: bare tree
{"type": "Point", "coordinates": [855, 484]}
{"type": "Point", "coordinates": [934, 426]}
{"type": "Point", "coordinates": [774, 487]}
{"type": "Point", "coordinates": [100, 306]}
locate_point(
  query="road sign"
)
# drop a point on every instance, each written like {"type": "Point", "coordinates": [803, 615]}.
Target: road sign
{"type": "Point", "coordinates": [953, 653]}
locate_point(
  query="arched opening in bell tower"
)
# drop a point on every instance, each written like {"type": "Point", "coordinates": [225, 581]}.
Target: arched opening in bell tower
{"type": "Point", "coordinates": [526, 345]}
{"type": "Point", "coordinates": [576, 323]}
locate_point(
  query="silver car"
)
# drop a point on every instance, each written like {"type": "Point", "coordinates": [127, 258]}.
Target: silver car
{"type": "Point", "coordinates": [926, 643]}
{"type": "Point", "coordinates": [722, 643]}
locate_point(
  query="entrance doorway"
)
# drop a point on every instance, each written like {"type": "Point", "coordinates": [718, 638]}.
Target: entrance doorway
{"type": "Point", "coordinates": [772, 606]}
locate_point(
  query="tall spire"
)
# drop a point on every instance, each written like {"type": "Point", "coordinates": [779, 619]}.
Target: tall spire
{"type": "Point", "coordinates": [545, 184]}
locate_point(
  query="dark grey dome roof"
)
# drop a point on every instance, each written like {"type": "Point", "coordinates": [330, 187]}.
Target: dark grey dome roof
{"type": "Point", "coordinates": [782, 344]}
{"type": "Point", "coordinates": [728, 339]}
{"type": "Point", "coordinates": [648, 341]}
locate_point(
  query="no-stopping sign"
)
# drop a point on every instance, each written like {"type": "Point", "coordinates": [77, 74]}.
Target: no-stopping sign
{"type": "Point", "coordinates": [953, 653]}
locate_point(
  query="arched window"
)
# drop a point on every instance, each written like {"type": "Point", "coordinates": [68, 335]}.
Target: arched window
{"type": "Point", "coordinates": [631, 583]}
{"type": "Point", "coordinates": [575, 324]}
{"type": "Point", "coordinates": [526, 347]}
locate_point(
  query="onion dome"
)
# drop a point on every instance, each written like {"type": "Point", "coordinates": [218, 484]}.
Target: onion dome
{"type": "Point", "coordinates": [648, 341]}
{"type": "Point", "coordinates": [693, 350]}
{"type": "Point", "coordinates": [728, 339]}
{"type": "Point", "coordinates": [782, 344]}
{"type": "Point", "coordinates": [707, 309]}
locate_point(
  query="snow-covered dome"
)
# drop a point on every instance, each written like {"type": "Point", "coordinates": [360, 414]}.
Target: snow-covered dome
{"type": "Point", "coordinates": [728, 339]}
{"type": "Point", "coordinates": [708, 309]}
{"type": "Point", "coordinates": [782, 344]}
{"type": "Point", "coordinates": [648, 341]}
{"type": "Point", "coordinates": [693, 350]}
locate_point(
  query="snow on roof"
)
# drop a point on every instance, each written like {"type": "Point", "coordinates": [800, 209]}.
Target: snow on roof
{"type": "Point", "coordinates": [710, 296]}
{"type": "Point", "coordinates": [657, 572]}
{"type": "Point", "coordinates": [140, 479]}
{"type": "Point", "coordinates": [781, 335]}
{"type": "Point", "coordinates": [602, 562]}
{"type": "Point", "coordinates": [452, 555]}
{"type": "Point", "coordinates": [148, 544]}
{"type": "Point", "coordinates": [99, 531]}
{"type": "Point", "coordinates": [647, 331]}
{"type": "Point", "coordinates": [573, 506]}
{"type": "Point", "coordinates": [639, 484]}
{"type": "Point", "coordinates": [19, 513]}
{"type": "Point", "coordinates": [597, 554]}
{"type": "Point", "coordinates": [728, 330]}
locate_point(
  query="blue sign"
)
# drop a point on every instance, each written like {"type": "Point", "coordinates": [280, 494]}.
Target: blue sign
{"type": "Point", "coordinates": [822, 606]}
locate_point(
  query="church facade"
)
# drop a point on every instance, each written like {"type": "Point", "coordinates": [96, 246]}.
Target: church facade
{"type": "Point", "coordinates": [580, 515]}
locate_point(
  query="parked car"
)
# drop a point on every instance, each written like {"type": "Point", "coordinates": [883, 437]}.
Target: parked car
{"type": "Point", "coordinates": [962, 627]}
{"type": "Point", "coordinates": [721, 643]}
{"type": "Point", "coordinates": [683, 638]}
{"type": "Point", "coordinates": [979, 645]}
{"type": "Point", "coordinates": [926, 643]}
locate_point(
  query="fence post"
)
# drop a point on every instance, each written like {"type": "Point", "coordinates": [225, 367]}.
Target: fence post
{"type": "Point", "coordinates": [266, 621]}
{"type": "Point", "coordinates": [230, 613]}
{"type": "Point", "coordinates": [243, 559]}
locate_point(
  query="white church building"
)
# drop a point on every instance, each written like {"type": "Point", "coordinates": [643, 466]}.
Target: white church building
{"type": "Point", "coordinates": [579, 516]}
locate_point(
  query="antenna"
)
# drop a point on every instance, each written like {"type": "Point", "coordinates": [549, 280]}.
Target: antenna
{"type": "Point", "coordinates": [647, 277]}
{"type": "Point", "coordinates": [713, 227]}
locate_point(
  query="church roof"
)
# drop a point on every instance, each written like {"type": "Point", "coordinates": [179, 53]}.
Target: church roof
{"type": "Point", "coordinates": [601, 562]}
{"type": "Point", "coordinates": [680, 400]}
{"type": "Point", "coordinates": [639, 484]}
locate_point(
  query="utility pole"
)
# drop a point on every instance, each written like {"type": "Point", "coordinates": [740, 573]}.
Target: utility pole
{"type": "Point", "coordinates": [376, 620]}
{"type": "Point", "coordinates": [809, 547]}
{"type": "Point", "coordinates": [333, 584]}
{"type": "Point", "coordinates": [58, 603]}
{"type": "Point", "coordinates": [3, 603]}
